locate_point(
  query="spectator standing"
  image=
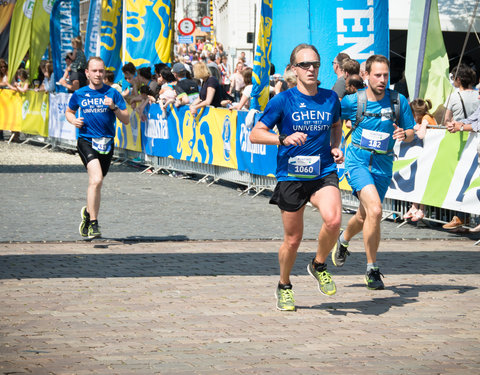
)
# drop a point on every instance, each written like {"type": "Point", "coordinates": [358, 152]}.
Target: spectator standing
{"type": "Point", "coordinates": [145, 78]}
{"type": "Point", "coordinates": [339, 86]}
{"type": "Point", "coordinates": [247, 90]}
{"type": "Point", "coordinates": [213, 67]}
{"type": "Point", "coordinates": [237, 84]}
{"type": "Point", "coordinates": [186, 89]}
{"type": "Point", "coordinates": [210, 91]}
{"type": "Point", "coordinates": [225, 72]}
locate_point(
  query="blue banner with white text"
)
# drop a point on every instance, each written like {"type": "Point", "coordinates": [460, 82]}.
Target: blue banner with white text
{"type": "Point", "coordinates": [64, 26]}
{"type": "Point", "coordinates": [357, 27]}
{"type": "Point", "coordinates": [92, 38]}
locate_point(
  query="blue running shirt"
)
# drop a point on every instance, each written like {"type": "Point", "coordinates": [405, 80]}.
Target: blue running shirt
{"type": "Point", "coordinates": [294, 112]}
{"type": "Point", "coordinates": [382, 163]}
{"type": "Point", "coordinates": [98, 119]}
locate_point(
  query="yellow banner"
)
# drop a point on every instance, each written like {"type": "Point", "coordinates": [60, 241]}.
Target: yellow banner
{"type": "Point", "coordinates": [222, 124]}
{"type": "Point", "coordinates": [129, 136]}
{"type": "Point", "coordinates": [10, 110]}
{"type": "Point", "coordinates": [35, 113]}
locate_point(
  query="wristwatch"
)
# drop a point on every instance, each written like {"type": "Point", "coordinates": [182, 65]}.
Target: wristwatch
{"type": "Point", "coordinates": [461, 128]}
{"type": "Point", "coordinates": [281, 138]}
{"type": "Point", "coordinates": [115, 108]}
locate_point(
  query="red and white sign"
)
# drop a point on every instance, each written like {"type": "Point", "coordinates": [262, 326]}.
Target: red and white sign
{"type": "Point", "coordinates": [186, 26]}
{"type": "Point", "coordinates": [206, 21]}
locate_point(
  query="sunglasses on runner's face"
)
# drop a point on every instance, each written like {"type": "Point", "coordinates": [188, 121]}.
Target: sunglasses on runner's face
{"type": "Point", "coordinates": [307, 64]}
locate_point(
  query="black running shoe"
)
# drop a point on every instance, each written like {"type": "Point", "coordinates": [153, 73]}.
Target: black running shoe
{"type": "Point", "coordinates": [83, 228]}
{"type": "Point", "coordinates": [339, 254]}
{"type": "Point", "coordinates": [93, 231]}
{"type": "Point", "coordinates": [373, 280]}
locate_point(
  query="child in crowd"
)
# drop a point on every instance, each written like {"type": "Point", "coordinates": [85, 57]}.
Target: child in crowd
{"type": "Point", "coordinates": [166, 98]}
{"type": "Point", "coordinates": [423, 119]}
{"type": "Point", "coordinates": [147, 98]}
{"type": "Point", "coordinates": [48, 84]}
{"type": "Point", "coordinates": [21, 85]}
{"type": "Point", "coordinates": [109, 80]}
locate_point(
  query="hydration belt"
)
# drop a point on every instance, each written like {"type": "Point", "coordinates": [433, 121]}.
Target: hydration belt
{"type": "Point", "coordinates": [373, 152]}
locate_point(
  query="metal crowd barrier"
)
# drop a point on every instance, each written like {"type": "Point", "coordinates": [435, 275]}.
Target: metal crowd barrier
{"type": "Point", "coordinates": [392, 209]}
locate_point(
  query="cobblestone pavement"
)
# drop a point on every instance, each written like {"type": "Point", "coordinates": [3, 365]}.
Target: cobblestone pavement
{"type": "Point", "coordinates": [183, 283]}
{"type": "Point", "coordinates": [205, 307]}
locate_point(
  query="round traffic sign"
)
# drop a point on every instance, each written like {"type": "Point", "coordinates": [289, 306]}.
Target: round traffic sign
{"type": "Point", "coordinates": [206, 21]}
{"type": "Point", "coordinates": [186, 26]}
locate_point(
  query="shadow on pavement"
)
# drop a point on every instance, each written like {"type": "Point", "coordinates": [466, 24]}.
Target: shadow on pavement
{"type": "Point", "coordinates": [406, 294]}
{"type": "Point", "coordinates": [217, 264]}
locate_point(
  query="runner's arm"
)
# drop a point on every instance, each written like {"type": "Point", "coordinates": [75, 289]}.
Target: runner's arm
{"type": "Point", "coordinates": [262, 134]}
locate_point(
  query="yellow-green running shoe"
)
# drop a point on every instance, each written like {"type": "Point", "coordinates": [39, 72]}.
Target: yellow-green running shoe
{"type": "Point", "coordinates": [285, 300]}
{"type": "Point", "coordinates": [93, 230]}
{"type": "Point", "coordinates": [325, 283]}
{"type": "Point", "coordinates": [83, 228]}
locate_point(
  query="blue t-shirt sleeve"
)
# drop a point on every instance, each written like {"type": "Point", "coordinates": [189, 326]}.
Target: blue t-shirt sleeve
{"type": "Point", "coordinates": [73, 102]}
{"type": "Point", "coordinates": [273, 111]}
{"type": "Point", "coordinates": [406, 117]}
{"type": "Point", "coordinates": [349, 107]}
{"type": "Point", "coordinates": [336, 110]}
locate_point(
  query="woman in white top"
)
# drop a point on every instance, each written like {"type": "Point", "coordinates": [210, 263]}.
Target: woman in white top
{"type": "Point", "coordinates": [237, 83]}
{"type": "Point", "coordinates": [463, 102]}
{"type": "Point", "coordinates": [247, 91]}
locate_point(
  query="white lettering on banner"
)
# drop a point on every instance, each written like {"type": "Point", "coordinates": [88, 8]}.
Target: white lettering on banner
{"type": "Point", "coordinates": [360, 43]}
{"type": "Point", "coordinates": [247, 146]}
{"type": "Point", "coordinates": [157, 127]}
{"type": "Point", "coordinates": [311, 115]}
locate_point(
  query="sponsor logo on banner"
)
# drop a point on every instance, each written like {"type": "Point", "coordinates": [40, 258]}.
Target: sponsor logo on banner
{"type": "Point", "coordinates": [247, 146]}
{"type": "Point", "coordinates": [48, 5]}
{"type": "Point", "coordinates": [157, 127]}
{"type": "Point", "coordinates": [43, 110]}
{"type": "Point", "coordinates": [25, 108]}
{"type": "Point", "coordinates": [226, 136]}
{"type": "Point", "coordinates": [28, 8]}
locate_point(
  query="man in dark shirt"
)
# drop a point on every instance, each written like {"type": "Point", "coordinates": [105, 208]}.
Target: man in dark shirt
{"type": "Point", "coordinates": [186, 89]}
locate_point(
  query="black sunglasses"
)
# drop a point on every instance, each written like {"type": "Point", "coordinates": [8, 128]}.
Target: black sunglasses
{"type": "Point", "coordinates": [307, 64]}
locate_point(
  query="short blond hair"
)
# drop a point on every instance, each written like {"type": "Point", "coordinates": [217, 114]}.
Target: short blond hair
{"type": "Point", "coordinates": [200, 71]}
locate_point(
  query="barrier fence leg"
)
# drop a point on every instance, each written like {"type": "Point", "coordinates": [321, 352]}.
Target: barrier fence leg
{"type": "Point", "coordinates": [245, 191]}
{"type": "Point", "coordinates": [259, 192]}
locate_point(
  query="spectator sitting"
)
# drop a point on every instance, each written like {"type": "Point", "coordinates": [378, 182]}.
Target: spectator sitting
{"type": "Point", "coordinates": [423, 118]}
{"type": "Point", "coordinates": [186, 89]}
{"type": "Point", "coordinates": [354, 83]}
{"type": "Point", "coordinates": [247, 91]}
{"type": "Point", "coordinates": [145, 78]}
{"type": "Point", "coordinates": [109, 80]}
{"type": "Point", "coordinates": [210, 92]}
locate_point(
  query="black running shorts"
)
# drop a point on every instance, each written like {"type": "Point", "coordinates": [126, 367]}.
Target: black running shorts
{"type": "Point", "coordinates": [292, 195]}
{"type": "Point", "coordinates": [87, 154]}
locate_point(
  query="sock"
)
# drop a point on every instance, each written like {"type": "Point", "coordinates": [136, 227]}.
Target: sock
{"type": "Point", "coordinates": [284, 286]}
{"type": "Point", "coordinates": [371, 266]}
{"type": "Point", "coordinates": [319, 266]}
{"type": "Point", "coordinates": [342, 240]}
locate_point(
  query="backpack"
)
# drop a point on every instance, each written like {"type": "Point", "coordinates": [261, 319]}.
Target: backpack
{"type": "Point", "coordinates": [362, 106]}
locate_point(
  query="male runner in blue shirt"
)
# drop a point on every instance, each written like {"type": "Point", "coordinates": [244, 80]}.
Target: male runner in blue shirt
{"type": "Point", "coordinates": [369, 161]}
{"type": "Point", "coordinates": [308, 120]}
{"type": "Point", "coordinates": [100, 105]}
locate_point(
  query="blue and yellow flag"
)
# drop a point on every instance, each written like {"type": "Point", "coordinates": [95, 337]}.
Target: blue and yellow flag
{"type": "Point", "coordinates": [148, 31]}
{"type": "Point", "coordinates": [111, 35]}
{"type": "Point", "coordinates": [426, 67]}
{"type": "Point", "coordinates": [261, 64]}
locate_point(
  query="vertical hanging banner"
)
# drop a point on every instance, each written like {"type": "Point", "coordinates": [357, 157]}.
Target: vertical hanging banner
{"type": "Point", "coordinates": [426, 66]}
{"type": "Point", "coordinates": [92, 37]}
{"type": "Point", "coordinates": [40, 33]}
{"type": "Point", "coordinates": [20, 31]}
{"type": "Point", "coordinates": [64, 26]}
{"type": "Point", "coordinates": [148, 47]}
{"type": "Point", "coordinates": [261, 63]}
{"type": "Point", "coordinates": [356, 27]}
{"type": "Point", "coordinates": [111, 36]}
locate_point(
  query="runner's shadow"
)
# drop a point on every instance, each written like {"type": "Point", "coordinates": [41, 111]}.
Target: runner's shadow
{"type": "Point", "coordinates": [405, 294]}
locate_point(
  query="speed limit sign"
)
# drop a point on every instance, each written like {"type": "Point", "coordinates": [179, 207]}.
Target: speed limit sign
{"type": "Point", "coordinates": [186, 26]}
{"type": "Point", "coordinates": [206, 22]}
